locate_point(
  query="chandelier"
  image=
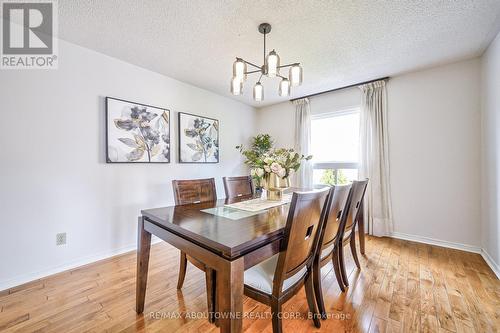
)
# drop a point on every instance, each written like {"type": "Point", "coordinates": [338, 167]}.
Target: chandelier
{"type": "Point", "coordinates": [271, 68]}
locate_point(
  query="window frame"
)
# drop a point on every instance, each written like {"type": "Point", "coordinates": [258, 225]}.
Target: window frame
{"type": "Point", "coordinates": [324, 165]}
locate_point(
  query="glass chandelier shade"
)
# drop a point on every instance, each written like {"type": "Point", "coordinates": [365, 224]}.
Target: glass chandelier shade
{"type": "Point", "coordinates": [258, 92]}
{"type": "Point", "coordinates": [295, 75]}
{"type": "Point", "coordinates": [273, 63]}
{"type": "Point", "coordinates": [236, 86]}
{"type": "Point", "coordinates": [240, 69]}
{"type": "Point", "coordinates": [284, 87]}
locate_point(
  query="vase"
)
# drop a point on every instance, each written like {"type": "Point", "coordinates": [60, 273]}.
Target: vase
{"type": "Point", "coordinates": [275, 185]}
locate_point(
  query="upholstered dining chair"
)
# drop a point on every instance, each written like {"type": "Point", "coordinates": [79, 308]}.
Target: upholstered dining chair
{"type": "Point", "coordinates": [192, 192]}
{"type": "Point", "coordinates": [278, 278]}
{"type": "Point", "coordinates": [358, 189]}
{"type": "Point", "coordinates": [238, 186]}
{"type": "Point", "coordinates": [328, 249]}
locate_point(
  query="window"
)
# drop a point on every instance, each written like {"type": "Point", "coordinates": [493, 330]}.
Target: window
{"type": "Point", "coordinates": [335, 147]}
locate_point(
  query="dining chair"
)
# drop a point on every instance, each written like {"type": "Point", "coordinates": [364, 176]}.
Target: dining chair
{"type": "Point", "coordinates": [358, 189]}
{"type": "Point", "coordinates": [328, 249]}
{"type": "Point", "coordinates": [280, 277]}
{"type": "Point", "coordinates": [238, 186]}
{"type": "Point", "coordinates": [192, 192]}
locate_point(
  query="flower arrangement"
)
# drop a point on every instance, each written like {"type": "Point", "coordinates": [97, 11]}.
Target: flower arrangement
{"type": "Point", "coordinates": [264, 160]}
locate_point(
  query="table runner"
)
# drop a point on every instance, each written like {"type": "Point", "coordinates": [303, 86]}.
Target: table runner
{"type": "Point", "coordinates": [255, 205]}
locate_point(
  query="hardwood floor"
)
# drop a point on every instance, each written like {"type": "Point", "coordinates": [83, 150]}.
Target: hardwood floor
{"type": "Point", "coordinates": [402, 287]}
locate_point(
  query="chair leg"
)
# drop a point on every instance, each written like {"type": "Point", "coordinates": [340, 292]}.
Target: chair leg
{"type": "Point", "coordinates": [182, 270]}
{"type": "Point", "coordinates": [318, 290]}
{"type": "Point", "coordinates": [209, 280]}
{"type": "Point", "coordinates": [310, 300]}
{"type": "Point", "coordinates": [336, 269]}
{"type": "Point", "coordinates": [342, 265]}
{"type": "Point", "coordinates": [276, 315]}
{"type": "Point", "coordinates": [353, 250]}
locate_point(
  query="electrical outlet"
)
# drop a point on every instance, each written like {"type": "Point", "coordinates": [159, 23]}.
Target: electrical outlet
{"type": "Point", "coordinates": [61, 238]}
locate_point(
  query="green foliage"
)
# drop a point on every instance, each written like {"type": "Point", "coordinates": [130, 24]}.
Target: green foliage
{"type": "Point", "coordinates": [331, 178]}
{"type": "Point", "coordinates": [262, 143]}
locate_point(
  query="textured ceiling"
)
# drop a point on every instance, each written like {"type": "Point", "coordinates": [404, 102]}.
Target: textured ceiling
{"type": "Point", "coordinates": [337, 42]}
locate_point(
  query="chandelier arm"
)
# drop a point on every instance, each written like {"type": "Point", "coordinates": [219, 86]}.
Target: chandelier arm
{"type": "Point", "coordinates": [260, 78]}
{"type": "Point", "coordinates": [289, 65]}
{"type": "Point", "coordinates": [249, 63]}
{"type": "Point", "coordinates": [256, 71]}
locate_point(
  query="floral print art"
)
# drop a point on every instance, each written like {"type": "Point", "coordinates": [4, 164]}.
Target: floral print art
{"type": "Point", "coordinates": [137, 133]}
{"type": "Point", "coordinates": [198, 139]}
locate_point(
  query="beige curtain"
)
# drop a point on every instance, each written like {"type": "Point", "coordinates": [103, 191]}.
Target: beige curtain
{"type": "Point", "coordinates": [304, 177]}
{"type": "Point", "coordinates": [374, 139]}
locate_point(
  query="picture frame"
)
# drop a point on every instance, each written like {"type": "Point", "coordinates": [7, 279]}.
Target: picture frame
{"type": "Point", "coordinates": [198, 139]}
{"type": "Point", "coordinates": [137, 132]}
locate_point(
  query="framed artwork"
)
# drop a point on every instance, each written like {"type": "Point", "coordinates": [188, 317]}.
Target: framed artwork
{"type": "Point", "coordinates": [198, 139]}
{"type": "Point", "coordinates": [136, 133]}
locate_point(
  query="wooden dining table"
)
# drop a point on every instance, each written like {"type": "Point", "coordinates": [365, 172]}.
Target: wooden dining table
{"type": "Point", "coordinates": [227, 240]}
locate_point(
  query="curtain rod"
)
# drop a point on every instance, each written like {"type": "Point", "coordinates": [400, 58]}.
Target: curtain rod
{"type": "Point", "coordinates": [332, 90]}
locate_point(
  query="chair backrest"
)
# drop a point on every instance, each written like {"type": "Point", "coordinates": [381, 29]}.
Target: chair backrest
{"type": "Point", "coordinates": [336, 213]}
{"type": "Point", "coordinates": [358, 189]}
{"type": "Point", "coordinates": [300, 239]}
{"type": "Point", "coordinates": [238, 186]}
{"type": "Point", "coordinates": [194, 191]}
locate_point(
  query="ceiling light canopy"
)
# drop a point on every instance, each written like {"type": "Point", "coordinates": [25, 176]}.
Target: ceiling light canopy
{"type": "Point", "coordinates": [270, 68]}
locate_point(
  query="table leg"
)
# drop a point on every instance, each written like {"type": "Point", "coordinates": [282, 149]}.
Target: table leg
{"type": "Point", "coordinates": [230, 296]}
{"type": "Point", "coordinates": [143, 249]}
{"type": "Point", "coordinates": [361, 228]}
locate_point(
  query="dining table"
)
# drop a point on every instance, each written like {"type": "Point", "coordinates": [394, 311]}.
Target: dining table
{"type": "Point", "coordinates": [226, 239]}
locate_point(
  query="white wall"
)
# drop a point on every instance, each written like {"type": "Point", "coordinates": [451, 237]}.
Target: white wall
{"type": "Point", "coordinates": [434, 128]}
{"type": "Point", "coordinates": [490, 88]}
{"type": "Point", "coordinates": [53, 177]}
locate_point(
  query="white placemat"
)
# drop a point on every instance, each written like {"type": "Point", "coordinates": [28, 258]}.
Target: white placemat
{"type": "Point", "coordinates": [255, 205]}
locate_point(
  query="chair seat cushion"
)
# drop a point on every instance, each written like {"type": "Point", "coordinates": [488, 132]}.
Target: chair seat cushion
{"type": "Point", "coordinates": [326, 251]}
{"type": "Point", "coordinates": [261, 276]}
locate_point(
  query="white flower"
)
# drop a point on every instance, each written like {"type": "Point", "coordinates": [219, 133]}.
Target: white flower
{"type": "Point", "coordinates": [253, 172]}
{"type": "Point", "coordinates": [276, 168]}
{"type": "Point", "coordinates": [267, 168]}
{"type": "Point", "coordinates": [282, 172]}
{"type": "Point", "coordinates": [259, 172]}
{"type": "Point", "coordinates": [268, 160]}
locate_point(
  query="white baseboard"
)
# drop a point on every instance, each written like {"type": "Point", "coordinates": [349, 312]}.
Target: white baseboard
{"type": "Point", "coordinates": [437, 242]}
{"type": "Point", "coordinates": [25, 278]}
{"type": "Point", "coordinates": [489, 260]}
{"type": "Point", "coordinates": [452, 245]}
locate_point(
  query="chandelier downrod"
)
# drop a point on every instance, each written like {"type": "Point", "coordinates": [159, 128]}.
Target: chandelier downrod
{"type": "Point", "coordinates": [264, 28]}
